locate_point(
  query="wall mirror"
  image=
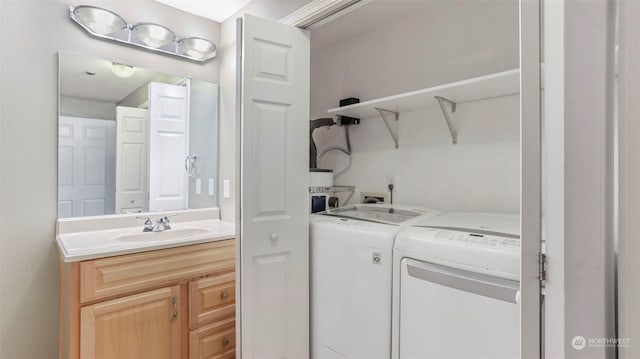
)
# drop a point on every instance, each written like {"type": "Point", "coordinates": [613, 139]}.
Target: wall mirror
{"type": "Point", "coordinates": [133, 140]}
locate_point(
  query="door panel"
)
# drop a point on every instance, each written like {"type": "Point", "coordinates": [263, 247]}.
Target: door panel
{"type": "Point", "coordinates": [274, 199]}
{"type": "Point", "coordinates": [270, 151]}
{"type": "Point", "coordinates": [131, 172]}
{"type": "Point", "coordinates": [169, 144]}
{"type": "Point", "coordinates": [86, 167]}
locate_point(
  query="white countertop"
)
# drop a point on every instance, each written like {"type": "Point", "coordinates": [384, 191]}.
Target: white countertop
{"type": "Point", "coordinates": [92, 238]}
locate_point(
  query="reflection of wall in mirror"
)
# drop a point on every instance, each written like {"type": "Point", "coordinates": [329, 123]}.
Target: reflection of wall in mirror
{"type": "Point", "coordinates": [80, 107]}
{"type": "Point", "coordinates": [203, 140]}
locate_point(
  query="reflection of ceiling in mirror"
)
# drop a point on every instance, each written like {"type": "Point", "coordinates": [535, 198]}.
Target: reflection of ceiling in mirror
{"type": "Point", "coordinates": [104, 85]}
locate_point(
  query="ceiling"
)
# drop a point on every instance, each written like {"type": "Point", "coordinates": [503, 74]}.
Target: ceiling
{"type": "Point", "coordinates": [216, 10]}
{"type": "Point", "coordinates": [104, 85]}
{"type": "Point", "coordinates": [221, 10]}
{"type": "Point", "coordinates": [364, 19]}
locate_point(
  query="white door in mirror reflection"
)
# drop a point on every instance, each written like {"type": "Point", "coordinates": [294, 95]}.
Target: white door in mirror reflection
{"type": "Point", "coordinates": [131, 159]}
{"type": "Point", "coordinates": [86, 163]}
{"type": "Point", "coordinates": [168, 146]}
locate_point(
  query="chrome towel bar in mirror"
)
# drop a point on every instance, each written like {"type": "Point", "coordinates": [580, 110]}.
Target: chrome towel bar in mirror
{"type": "Point", "coordinates": [106, 24]}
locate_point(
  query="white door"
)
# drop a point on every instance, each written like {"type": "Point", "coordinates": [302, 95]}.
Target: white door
{"type": "Point", "coordinates": [274, 228]}
{"type": "Point", "coordinates": [530, 180]}
{"type": "Point", "coordinates": [131, 160]}
{"type": "Point", "coordinates": [86, 167]}
{"type": "Point", "coordinates": [168, 146]}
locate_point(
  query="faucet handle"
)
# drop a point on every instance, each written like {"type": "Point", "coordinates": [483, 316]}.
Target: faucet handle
{"type": "Point", "coordinates": [147, 219]}
{"type": "Point", "coordinates": [165, 219]}
{"type": "Point", "coordinates": [148, 225]}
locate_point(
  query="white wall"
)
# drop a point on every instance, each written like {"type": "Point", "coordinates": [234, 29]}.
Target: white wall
{"type": "Point", "coordinates": [228, 124]}
{"type": "Point", "coordinates": [32, 34]}
{"type": "Point", "coordinates": [480, 173]}
{"type": "Point", "coordinates": [423, 44]}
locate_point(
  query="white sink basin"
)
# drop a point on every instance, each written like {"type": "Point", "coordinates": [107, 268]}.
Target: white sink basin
{"type": "Point", "coordinates": [84, 245]}
{"type": "Point", "coordinates": [164, 235]}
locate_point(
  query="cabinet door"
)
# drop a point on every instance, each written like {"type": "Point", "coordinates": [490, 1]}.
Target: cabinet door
{"type": "Point", "coordinates": [144, 325]}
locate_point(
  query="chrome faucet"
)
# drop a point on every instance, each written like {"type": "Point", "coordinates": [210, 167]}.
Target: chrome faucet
{"type": "Point", "coordinates": [162, 223]}
{"type": "Point", "coordinates": [148, 225]}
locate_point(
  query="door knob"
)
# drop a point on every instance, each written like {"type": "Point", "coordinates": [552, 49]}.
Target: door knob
{"type": "Point", "coordinates": [224, 295]}
{"type": "Point", "coordinates": [273, 236]}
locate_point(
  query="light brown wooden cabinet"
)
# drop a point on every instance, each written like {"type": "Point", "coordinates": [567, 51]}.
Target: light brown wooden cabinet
{"type": "Point", "coordinates": [168, 303]}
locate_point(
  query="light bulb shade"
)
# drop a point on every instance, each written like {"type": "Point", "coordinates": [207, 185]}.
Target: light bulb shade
{"type": "Point", "coordinates": [197, 47]}
{"type": "Point", "coordinates": [122, 70]}
{"type": "Point", "coordinates": [98, 20]}
{"type": "Point", "coordinates": [154, 35]}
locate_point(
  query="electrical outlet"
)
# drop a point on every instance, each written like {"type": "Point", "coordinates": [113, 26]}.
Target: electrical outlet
{"type": "Point", "coordinates": [374, 197]}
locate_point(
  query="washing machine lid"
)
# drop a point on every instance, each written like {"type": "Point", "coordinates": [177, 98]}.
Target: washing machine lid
{"type": "Point", "coordinates": [380, 213]}
{"type": "Point", "coordinates": [500, 224]}
{"type": "Point", "coordinates": [486, 243]}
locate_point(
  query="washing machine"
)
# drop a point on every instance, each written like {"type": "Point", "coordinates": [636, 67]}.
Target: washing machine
{"type": "Point", "coordinates": [351, 263]}
{"type": "Point", "coordinates": [456, 288]}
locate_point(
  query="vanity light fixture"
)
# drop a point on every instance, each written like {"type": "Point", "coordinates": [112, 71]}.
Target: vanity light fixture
{"type": "Point", "coordinates": [153, 35]}
{"type": "Point", "coordinates": [197, 47]}
{"type": "Point", "coordinates": [106, 24]}
{"type": "Point", "coordinates": [122, 70]}
{"type": "Point", "coordinates": [98, 20]}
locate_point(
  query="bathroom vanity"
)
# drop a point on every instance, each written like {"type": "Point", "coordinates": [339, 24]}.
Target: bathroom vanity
{"type": "Point", "coordinates": [135, 294]}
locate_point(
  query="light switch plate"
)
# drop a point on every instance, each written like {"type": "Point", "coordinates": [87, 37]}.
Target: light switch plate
{"type": "Point", "coordinates": [226, 188]}
{"type": "Point", "coordinates": [211, 187]}
{"type": "Point", "coordinates": [198, 186]}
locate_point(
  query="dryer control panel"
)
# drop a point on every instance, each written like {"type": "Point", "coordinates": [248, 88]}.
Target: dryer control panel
{"type": "Point", "coordinates": [473, 238]}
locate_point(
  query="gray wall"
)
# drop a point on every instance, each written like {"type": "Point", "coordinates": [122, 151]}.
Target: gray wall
{"type": "Point", "coordinates": [32, 33]}
{"type": "Point", "coordinates": [203, 141]}
{"type": "Point", "coordinates": [80, 107]}
{"type": "Point", "coordinates": [136, 98]}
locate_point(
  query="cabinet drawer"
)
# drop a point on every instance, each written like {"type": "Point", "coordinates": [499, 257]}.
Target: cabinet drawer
{"type": "Point", "coordinates": [216, 341]}
{"type": "Point", "coordinates": [106, 277]}
{"type": "Point", "coordinates": [212, 299]}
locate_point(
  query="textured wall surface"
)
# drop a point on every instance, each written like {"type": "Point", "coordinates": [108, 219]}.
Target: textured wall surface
{"type": "Point", "coordinates": [33, 32]}
{"type": "Point", "coordinates": [387, 48]}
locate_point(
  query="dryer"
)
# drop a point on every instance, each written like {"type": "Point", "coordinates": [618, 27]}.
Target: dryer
{"type": "Point", "coordinates": [351, 263]}
{"type": "Point", "coordinates": [456, 288]}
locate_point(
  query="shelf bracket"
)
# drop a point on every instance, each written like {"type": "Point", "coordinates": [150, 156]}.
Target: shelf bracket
{"type": "Point", "coordinates": [382, 111]}
{"type": "Point", "coordinates": [443, 101]}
